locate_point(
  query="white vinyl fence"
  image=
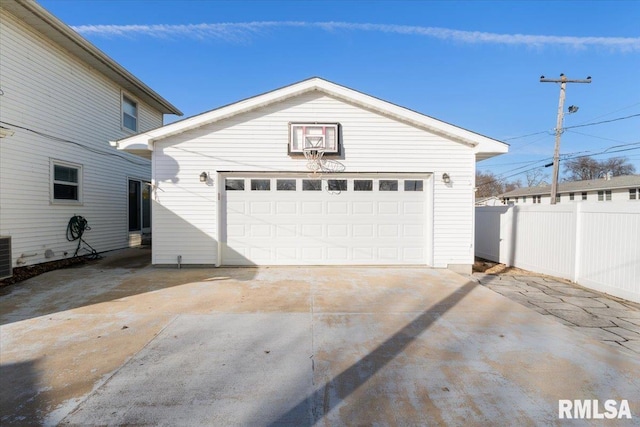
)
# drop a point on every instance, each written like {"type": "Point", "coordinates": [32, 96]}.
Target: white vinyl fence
{"type": "Point", "coordinates": [596, 245]}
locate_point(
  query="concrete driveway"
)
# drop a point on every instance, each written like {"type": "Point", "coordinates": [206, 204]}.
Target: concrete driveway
{"type": "Point", "coordinates": [120, 343]}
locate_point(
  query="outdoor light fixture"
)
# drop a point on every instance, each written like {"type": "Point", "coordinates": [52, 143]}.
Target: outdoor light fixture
{"type": "Point", "coordinates": [203, 177]}
{"type": "Point", "coordinates": [446, 178]}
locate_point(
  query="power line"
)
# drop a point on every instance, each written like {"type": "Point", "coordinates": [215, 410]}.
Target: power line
{"type": "Point", "coordinates": [599, 123]}
{"type": "Point", "coordinates": [615, 111]}
{"type": "Point", "coordinates": [595, 136]}
{"type": "Point", "coordinates": [573, 127]}
{"type": "Point", "coordinates": [525, 136]}
{"type": "Point", "coordinates": [68, 141]}
{"type": "Point", "coordinates": [605, 152]}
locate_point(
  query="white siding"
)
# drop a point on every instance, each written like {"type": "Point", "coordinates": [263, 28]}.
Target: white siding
{"type": "Point", "coordinates": [49, 91]}
{"type": "Point", "coordinates": [185, 209]}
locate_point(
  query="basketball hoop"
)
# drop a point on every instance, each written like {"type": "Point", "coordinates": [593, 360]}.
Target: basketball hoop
{"type": "Point", "coordinates": [314, 158]}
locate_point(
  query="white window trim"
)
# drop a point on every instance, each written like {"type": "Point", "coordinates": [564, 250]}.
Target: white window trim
{"type": "Point", "coordinates": [52, 199]}
{"type": "Point", "coordinates": [135, 100]}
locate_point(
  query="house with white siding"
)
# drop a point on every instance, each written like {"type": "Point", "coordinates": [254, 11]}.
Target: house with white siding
{"type": "Point", "coordinates": [605, 189]}
{"type": "Point", "coordinates": [61, 101]}
{"type": "Point", "coordinates": [313, 174]}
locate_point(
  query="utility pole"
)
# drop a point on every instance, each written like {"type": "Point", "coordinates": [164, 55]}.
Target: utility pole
{"type": "Point", "coordinates": [563, 80]}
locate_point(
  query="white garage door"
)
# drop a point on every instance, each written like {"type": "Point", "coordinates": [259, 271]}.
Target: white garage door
{"type": "Point", "coordinates": [339, 220]}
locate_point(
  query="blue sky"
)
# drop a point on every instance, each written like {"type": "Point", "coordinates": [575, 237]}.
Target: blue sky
{"type": "Point", "coordinates": [473, 64]}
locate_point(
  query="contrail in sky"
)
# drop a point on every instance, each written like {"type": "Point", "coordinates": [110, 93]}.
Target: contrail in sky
{"type": "Point", "coordinates": [243, 31]}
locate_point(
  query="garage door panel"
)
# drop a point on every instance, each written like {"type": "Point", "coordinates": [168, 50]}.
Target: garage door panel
{"type": "Point", "coordinates": [260, 230]}
{"type": "Point", "coordinates": [312, 208]}
{"type": "Point", "coordinates": [388, 254]}
{"type": "Point", "coordinates": [337, 208]}
{"type": "Point", "coordinates": [337, 230]}
{"type": "Point", "coordinates": [363, 254]}
{"type": "Point", "coordinates": [388, 230]}
{"type": "Point", "coordinates": [360, 208]}
{"type": "Point", "coordinates": [386, 208]}
{"type": "Point", "coordinates": [286, 231]}
{"type": "Point", "coordinates": [410, 230]}
{"type": "Point", "coordinates": [363, 230]}
{"type": "Point", "coordinates": [236, 206]}
{"type": "Point", "coordinates": [286, 254]}
{"type": "Point", "coordinates": [259, 208]}
{"type": "Point", "coordinates": [287, 208]}
{"type": "Point", "coordinates": [311, 230]}
{"type": "Point", "coordinates": [300, 227]}
{"type": "Point", "coordinates": [311, 254]}
{"type": "Point", "coordinates": [413, 208]}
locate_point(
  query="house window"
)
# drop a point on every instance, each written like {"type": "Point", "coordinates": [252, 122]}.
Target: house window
{"type": "Point", "coordinates": [632, 193]}
{"type": "Point", "coordinates": [572, 196]}
{"type": "Point", "coordinates": [66, 182]}
{"type": "Point", "coordinates": [557, 198]}
{"type": "Point", "coordinates": [129, 113]}
{"type": "Point", "coordinates": [604, 195]}
{"type": "Point", "coordinates": [517, 199]}
{"type": "Point", "coordinates": [524, 199]}
{"type": "Point", "coordinates": [584, 195]}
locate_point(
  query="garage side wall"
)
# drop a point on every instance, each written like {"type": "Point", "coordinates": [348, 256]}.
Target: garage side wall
{"type": "Point", "coordinates": [185, 210]}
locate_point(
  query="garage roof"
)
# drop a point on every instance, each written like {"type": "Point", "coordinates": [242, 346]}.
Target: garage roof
{"type": "Point", "coordinates": [58, 32]}
{"type": "Point", "coordinates": [485, 147]}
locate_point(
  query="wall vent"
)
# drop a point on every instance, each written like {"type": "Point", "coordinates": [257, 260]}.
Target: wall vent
{"type": "Point", "coordinates": [6, 269]}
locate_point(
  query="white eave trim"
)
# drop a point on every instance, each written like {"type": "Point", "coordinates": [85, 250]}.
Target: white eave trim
{"type": "Point", "coordinates": [480, 143]}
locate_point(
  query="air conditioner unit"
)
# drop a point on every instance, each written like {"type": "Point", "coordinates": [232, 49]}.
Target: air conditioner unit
{"type": "Point", "coordinates": [6, 268]}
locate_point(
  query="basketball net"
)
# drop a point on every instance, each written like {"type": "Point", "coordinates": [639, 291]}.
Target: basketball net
{"type": "Point", "coordinates": [313, 153]}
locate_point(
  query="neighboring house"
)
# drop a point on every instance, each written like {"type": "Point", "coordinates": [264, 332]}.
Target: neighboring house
{"type": "Point", "coordinates": [232, 186]}
{"type": "Point", "coordinates": [61, 101]}
{"type": "Point", "coordinates": [489, 201]}
{"type": "Point", "coordinates": [626, 187]}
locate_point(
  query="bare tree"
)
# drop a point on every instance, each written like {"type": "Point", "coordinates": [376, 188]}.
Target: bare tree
{"type": "Point", "coordinates": [535, 177]}
{"type": "Point", "coordinates": [583, 168]}
{"type": "Point", "coordinates": [488, 184]}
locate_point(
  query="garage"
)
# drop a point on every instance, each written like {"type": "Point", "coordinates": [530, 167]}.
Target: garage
{"type": "Point", "coordinates": [339, 219]}
{"type": "Point", "coordinates": [313, 173]}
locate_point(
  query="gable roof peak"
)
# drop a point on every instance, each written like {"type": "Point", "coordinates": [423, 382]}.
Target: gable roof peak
{"type": "Point", "coordinates": [484, 147]}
